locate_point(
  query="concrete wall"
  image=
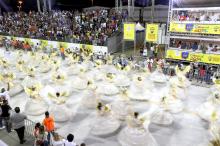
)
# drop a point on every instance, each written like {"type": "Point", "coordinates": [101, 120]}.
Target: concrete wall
{"type": "Point", "coordinates": [115, 43]}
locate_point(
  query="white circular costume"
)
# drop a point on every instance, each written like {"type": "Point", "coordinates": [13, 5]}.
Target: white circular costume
{"type": "Point", "coordinates": [140, 90]}
{"type": "Point", "coordinates": [15, 89]}
{"type": "Point", "coordinates": [158, 77]}
{"type": "Point", "coordinates": [79, 83]}
{"type": "Point", "coordinates": [121, 107]}
{"type": "Point", "coordinates": [174, 105]}
{"type": "Point", "coordinates": [176, 91]}
{"type": "Point", "coordinates": [209, 107]}
{"type": "Point", "coordinates": [216, 86]}
{"type": "Point", "coordinates": [89, 99]}
{"type": "Point", "coordinates": [162, 117]}
{"type": "Point", "coordinates": [56, 98]}
{"type": "Point", "coordinates": [122, 81]}
{"type": "Point", "coordinates": [35, 106]}
{"type": "Point", "coordinates": [180, 80]}
{"type": "Point", "coordinates": [107, 89]}
{"type": "Point", "coordinates": [44, 67]}
{"type": "Point", "coordinates": [104, 124]}
{"type": "Point", "coordinates": [96, 75]}
{"type": "Point", "coordinates": [135, 134]}
{"type": "Point", "coordinates": [76, 69]}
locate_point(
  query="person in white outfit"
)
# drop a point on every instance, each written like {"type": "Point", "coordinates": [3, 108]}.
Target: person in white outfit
{"type": "Point", "coordinates": [57, 141]}
{"type": "Point", "coordinates": [5, 94]}
{"type": "Point", "coordinates": [69, 141]}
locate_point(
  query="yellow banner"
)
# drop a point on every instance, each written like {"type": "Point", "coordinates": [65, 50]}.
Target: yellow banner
{"type": "Point", "coordinates": [63, 44]}
{"type": "Point", "coordinates": [195, 28]}
{"type": "Point", "coordinates": [86, 49]}
{"type": "Point", "coordinates": [193, 57]}
{"type": "Point", "coordinates": [152, 32]}
{"type": "Point", "coordinates": [129, 31]}
{"type": "Point", "coordinates": [43, 44]}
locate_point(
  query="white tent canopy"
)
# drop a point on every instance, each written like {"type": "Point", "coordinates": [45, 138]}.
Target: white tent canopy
{"type": "Point", "coordinates": [139, 27]}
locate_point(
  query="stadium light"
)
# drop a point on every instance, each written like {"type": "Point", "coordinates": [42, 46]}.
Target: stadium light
{"type": "Point", "coordinates": [20, 2]}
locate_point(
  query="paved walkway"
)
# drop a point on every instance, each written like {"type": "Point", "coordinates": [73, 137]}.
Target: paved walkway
{"type": "Point", "coordinates": [12, 139]}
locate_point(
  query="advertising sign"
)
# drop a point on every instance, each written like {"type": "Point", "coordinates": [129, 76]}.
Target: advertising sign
{"type": "Point", "coordinates": [152, 32]}
{"type": "Point", "coordinates": [193, 56]}
{"type": "Point", "coordinates": [195, 28]}
{"type": "Point", "coordinates": [129, 31]}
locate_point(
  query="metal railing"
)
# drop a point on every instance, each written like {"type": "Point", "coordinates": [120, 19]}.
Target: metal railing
{"type": "Point", "coordinates": [29, 131]}
{"type": "Point", "coordinates": [29, 127]}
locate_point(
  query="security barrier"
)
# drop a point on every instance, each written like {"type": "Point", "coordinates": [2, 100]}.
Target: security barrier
{"type": "Point", "coordinates": [56, 44]}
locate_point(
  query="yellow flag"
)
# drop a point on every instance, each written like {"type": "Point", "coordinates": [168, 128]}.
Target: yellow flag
{"type": "Point", "coordinates": [152, 32]}
{"type": "Point", "coordinates": [129, 31]}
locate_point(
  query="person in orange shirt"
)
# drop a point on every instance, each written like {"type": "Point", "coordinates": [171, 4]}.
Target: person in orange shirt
{"type": "Point", "coordinates": [62, 51]}
{"type": "Point", "coordinates": [48, 123]}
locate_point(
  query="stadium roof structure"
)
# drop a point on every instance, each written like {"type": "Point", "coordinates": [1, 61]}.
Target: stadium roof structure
{"type": "Point", "coordinates": [95, 8]}
{"type": "Point", "coordinates": [198, 3]}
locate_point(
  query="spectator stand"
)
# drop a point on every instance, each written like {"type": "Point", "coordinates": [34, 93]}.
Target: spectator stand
{"type": "Point", "coordinates": [93, 26]}
{"type": "Point", "coordinates": [192, 33]}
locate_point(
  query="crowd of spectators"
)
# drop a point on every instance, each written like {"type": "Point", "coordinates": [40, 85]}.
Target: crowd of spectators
{"type": "Point", "coordinates": [88, 27]}
{"type": "Point", "coordinates": [44, 134]}
{"type": "Point", "coordinates": [196, 16]}
{"type": "Point", "coordinates": [201, 73]}
{"type": "Point", "coordinates": [205, 47]}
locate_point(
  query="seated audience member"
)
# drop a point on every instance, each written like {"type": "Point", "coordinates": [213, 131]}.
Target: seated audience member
{"type": "Point", "coordinates": [203, 17]}
{"type": "Point", "coordinates": [195, 46]}
{"type": "Point", "coordinates": [210, 47]}
{"type": "Point", "coordinates": [69, 141]}
{"type": "Point", "coordinates": [215, 49]}
{"type": "Point", "coordinates": [197, 17]}
{"type": "Point", "coordinates": [179, 44]}
{"type": "Point", "coordinates": [182, 17]}
{"type": "Point", "coordinates": [183, 46]}
{"type": "Point", "coordinates": [203, 48]}
{"type": "Point", "coordinates": [214, 17]}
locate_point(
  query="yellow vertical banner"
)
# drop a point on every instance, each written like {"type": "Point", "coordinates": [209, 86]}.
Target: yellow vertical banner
{"type": "Point", "coordinates": [152, 32]}
{"type": "Point", "coordinates": [129, 31]}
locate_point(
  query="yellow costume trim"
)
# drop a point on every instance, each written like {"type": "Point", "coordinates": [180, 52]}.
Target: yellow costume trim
{"type": "Point", "coordinates": [33, 90]}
